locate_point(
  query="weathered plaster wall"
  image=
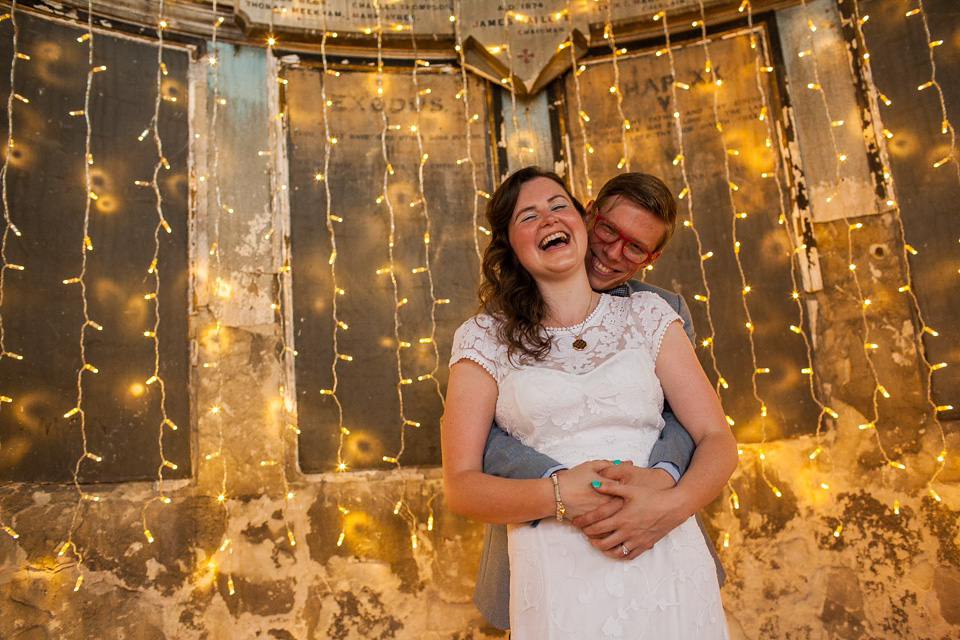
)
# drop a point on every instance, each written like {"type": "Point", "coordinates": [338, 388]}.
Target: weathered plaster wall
{"type": "Point", "coordinates": [374, 585]}
{"type": "Point", "coordinates": [884, 575]}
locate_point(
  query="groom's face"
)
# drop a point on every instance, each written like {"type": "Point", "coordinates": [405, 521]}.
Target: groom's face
{"type": "Point", "coordinates": [607, 266]}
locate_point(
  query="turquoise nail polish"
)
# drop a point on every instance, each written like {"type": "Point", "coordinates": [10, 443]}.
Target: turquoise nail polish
{"type": "Point", "coordinates": [616, 462]}
{"type": "Point", "coordinates": [596, 483]}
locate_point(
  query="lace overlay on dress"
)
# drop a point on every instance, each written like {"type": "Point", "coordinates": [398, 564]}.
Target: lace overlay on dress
{"type": "Point", "coordinates": [602, 402]}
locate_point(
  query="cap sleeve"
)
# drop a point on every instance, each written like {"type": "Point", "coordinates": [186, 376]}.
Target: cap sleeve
{"type": "Point", "coordinates": [652, 315]}
{"type": "Point", "coordinates": [475, 340]}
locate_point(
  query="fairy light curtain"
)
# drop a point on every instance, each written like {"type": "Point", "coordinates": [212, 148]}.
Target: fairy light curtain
{"type": "Point", "coordinates": [126, 357]}
{"type": "Point", "coordinates": [731, 254]}
{"type": "Point", "coordinates": [384, 190]}
{"type": "Point", "coordinates": [912, 54]}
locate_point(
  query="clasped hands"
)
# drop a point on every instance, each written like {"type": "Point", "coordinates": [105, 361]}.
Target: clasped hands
{"type": "Point", "coordinates": [620, 506]}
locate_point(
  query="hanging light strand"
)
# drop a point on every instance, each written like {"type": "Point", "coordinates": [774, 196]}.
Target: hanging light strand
{"type": "Point", "coordinates": [468, 120]}
{"type": "Point", "coordinates": [214, 293]}
{"type": "Point", "coordinates": [946, 126]}
{"type": "Point", "coordinates": [392, 219]}
{"type": "Point", "coordinates": [426, 269]}
{"type": "Point", "coordinates": [279, 219]}
{"type": "Point", "coordinates": [215, 287]}
{"type": "Point", "coordinates": [608, 34]}
{"type": "Point", "coordinates": [863, 302]}
{"type": "Point", "coordinates": [586, 148]}
{"type": "Point", "coordinates": [908, 288]}
{"type": "Point", "coordinates": [686, 194]}
{"type": "Point", "coordinates": [9, 227]}
{"type": "Point", "coordinates": [508, 49]}
{"type": "Point", "coordinates": [336, 290]}
{"type": "Point", "coordinates": [78, 410]}
{"type": "Point", "coordinates": [745, 288]}
{"type": "Point", "coordinates": [154, 270]}
{"type": "Point", "coordinates": [216, 298]}
{"type": "Point", "coordinates": [162, 224]}
{"type": "Point", "coordinates": [762, 62]}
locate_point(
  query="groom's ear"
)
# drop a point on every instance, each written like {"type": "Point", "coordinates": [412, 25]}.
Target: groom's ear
{"type": "Point", "coordinates": [591, 211]}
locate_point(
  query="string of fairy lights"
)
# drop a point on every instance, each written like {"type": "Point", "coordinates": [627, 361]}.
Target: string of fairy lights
{"type": "Point", "coordinates": [282, 287]}
{"type": "Point", "coordinates": [611, 39]}
{"type": "Point", "coordinates": [585, 149]}
{"type": "Point", "coordinates": [402, 507]}
{"type": "Point", "coordinates": [9, 227]}
{"type": "Point", "coordinates": [762, 66]}
{"type": "Point", "coordinates": [464, 96]}
{"type": "Point", "coordinates": [509, 16]}
{"type": "Point", "coordinates": [86, 246]}
{"type": "Point", "coordinates": [426, 269]}
{"type": "Point", "coordinates": [859, 20]}
{"type": "Point", "coordinates": [868, 346]}
{"type": "Point", "coordinates": [281, 303]}
{"type": "Point", "coordinates": [154, 268]}
{"type": "Point", "coordinates": [945, 125]}
{"type": "Point", "coordinates": [737, 215]}
{"type": "Point", "coordinates": [216, 288]}
{"type": "Point", "coordinates": [686, 193]}
{"type": "Point", "coordinates": [331, 221]}
{"type": "Point", "coordinates": [391, 268]}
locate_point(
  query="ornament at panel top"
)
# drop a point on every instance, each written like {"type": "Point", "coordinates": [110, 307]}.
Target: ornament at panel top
{"type": "Point", "coordinates": [526, 42]}
{"type": "Point", "coordinates": [307, 19]}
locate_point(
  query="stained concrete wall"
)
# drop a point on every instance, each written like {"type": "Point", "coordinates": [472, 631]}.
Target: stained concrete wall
{"type": "Point", "coordinates": [836, 562]}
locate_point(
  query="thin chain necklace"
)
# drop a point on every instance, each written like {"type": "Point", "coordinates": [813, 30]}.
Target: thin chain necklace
{"type": "Point", "coordinates": [577, 330]}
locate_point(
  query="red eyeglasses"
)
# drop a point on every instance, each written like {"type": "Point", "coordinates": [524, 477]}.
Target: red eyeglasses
{"type": "Point", "coordinates": [609, 232]}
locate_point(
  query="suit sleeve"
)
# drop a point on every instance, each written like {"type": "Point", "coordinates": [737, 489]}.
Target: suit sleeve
{"type": "Point", "coordinates": [684, 311]}
{"type": "Point", "coordinates": [507, 457]}
{"type": "Point", "coordinates": [675, 445]}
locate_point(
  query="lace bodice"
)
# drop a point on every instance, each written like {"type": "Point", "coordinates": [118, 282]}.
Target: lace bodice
{"type": "Point", "coordinates": [580, 405]}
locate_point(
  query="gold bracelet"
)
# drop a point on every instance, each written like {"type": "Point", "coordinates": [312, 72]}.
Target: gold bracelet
{"type": "Point", "coordinates": [556, 493]}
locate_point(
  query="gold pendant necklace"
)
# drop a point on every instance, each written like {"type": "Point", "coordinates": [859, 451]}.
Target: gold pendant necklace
{"type": "Point", "coordinates": [579, 343]}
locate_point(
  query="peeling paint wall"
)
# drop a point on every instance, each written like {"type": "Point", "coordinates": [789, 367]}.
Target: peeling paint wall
{"type": "Point", "coordinates": [835, 562]}
{"type": "Point", "coordinates": [884, 574]}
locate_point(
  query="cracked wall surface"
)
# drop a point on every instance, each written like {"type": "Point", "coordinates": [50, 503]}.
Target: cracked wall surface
{"type": "Point", "coordinates": [852, 548]}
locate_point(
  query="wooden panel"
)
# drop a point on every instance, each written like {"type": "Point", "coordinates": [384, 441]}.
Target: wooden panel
{"type": "Point", "coordinates": [42, 317]}
{"type": "Point", "coordinates": [654, 87]}
{"type": "Point", "coordinates": [900, 59]}
{"type": "Point", "coordinates": [368, 386]}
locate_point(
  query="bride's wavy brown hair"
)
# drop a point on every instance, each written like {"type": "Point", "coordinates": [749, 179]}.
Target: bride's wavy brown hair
{"type": "Point", "coordinates": [508, 292]}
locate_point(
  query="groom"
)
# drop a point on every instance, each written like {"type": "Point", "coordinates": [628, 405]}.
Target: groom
{"type": "Point", "coordinates": [628, 224]}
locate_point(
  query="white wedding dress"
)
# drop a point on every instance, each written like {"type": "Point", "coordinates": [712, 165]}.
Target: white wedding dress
{"type": "Point", "coordinates": [600, 403]}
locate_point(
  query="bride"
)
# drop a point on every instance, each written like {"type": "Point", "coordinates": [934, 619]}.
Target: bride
{"type": "Point", "coordinates": [581, 377]}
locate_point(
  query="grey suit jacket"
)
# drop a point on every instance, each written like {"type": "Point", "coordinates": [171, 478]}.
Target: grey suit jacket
{"type": "Point", "coordinates": [506, 457]}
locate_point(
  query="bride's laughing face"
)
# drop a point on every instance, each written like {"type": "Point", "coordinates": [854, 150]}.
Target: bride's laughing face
{"type": "Point", "coordinates": [546, 232]}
